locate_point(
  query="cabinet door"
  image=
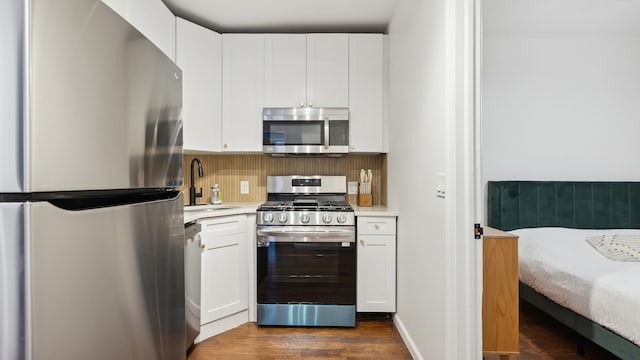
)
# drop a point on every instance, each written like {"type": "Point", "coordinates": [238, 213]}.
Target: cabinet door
{"type": "Point", "coordinates": [199, 55]}
{"type": "Point", "coordinates": [225, 277]}
{"type": "Point", "coordinates": [500, 311]}
{"type": "Point", "coordinates": [285, 70]}
{"type": "Point", "coordinates": [376, 273]}
{"type": "Point", "coordinates": [155, 21]}
{"type": "Point", "coordinates": [242, 92]}
{"type": "Point", "coordinates": [119, 6]}
{"type": "Point", "coordinates": [366, 93]}
{"type": "Point", "coordinates": [328, 70]}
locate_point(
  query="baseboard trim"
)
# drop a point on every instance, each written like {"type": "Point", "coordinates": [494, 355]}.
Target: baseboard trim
{"type": "Point", "coordinates": [408, 341]}
{"type": "Point", "coordinates": [221, 325]}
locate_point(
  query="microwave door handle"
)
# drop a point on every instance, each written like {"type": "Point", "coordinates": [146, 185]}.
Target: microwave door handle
{"type": "Point", "coordinates": [326, 133]}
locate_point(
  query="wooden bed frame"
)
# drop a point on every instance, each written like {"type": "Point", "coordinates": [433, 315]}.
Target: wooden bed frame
{"type": "Point", "coordinates": [582, 205]}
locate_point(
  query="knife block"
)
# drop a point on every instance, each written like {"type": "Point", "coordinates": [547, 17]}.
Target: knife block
{"type": "Point", "coordinates": [365, 199]}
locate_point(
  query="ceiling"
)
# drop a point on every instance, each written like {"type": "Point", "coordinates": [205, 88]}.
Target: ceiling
{"type": "Point", "coordinates": [570, 18]}
{"type": "Point", "coordinates": [287, 15]}
{"type": "Point", "coordinates": [501, 18]}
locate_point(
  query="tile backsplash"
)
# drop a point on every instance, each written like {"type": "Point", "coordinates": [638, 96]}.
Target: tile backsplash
{"type": "Point", "coordinates": [228, 170]}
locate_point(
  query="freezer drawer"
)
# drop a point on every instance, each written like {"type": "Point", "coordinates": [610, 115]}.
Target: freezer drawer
{"type": "Point", "coordinates": [107, 283]}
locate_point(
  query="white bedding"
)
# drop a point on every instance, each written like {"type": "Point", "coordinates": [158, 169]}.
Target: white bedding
{"type": "Point", "coordinates": [560, 264]}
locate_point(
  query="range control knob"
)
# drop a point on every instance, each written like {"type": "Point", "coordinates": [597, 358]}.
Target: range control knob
{"type": "Point", "coordinates": [326, 218]}
{"type": "Point", "coordinates": [341, 218]}
{"type": "Point", "coordinates": [283, 217]}
{"type": "Point", "coordinates": [304, 218]}
{"type": "Point", "coordinates": [267, 217]}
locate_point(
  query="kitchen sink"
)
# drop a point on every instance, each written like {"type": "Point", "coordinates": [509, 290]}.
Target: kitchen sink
{"type": "Point", "coordinates": [196, 208]}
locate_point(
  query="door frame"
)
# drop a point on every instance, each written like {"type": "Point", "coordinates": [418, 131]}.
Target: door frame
{"type": "Point", "coordinates": [464, 198]}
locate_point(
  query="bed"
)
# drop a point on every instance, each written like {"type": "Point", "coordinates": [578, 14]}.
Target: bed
{"type": "Point", "coordinates": [560, 272]}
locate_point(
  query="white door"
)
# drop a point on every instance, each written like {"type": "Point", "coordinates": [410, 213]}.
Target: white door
{"type": "Point", "coordinates": [285, 70]}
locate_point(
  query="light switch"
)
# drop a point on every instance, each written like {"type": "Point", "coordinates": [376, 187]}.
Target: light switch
{"type": "Point", "coordinates": [441, 189]}
{"type": "Point", "coordinates": [244, 187]}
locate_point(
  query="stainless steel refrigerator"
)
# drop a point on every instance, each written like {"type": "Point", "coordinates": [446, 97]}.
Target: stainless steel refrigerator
{"type": "Point", "coordinates": [91, 224]}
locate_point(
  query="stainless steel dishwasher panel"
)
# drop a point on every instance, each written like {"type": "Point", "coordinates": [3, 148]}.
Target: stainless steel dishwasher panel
{"type": "Point", "coordinates": [193, 249]}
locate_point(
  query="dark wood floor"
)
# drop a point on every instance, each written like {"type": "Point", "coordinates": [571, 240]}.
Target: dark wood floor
{"type": "Point", "coordinates": [371, 339]}
{"type": "Point", "coordinates": [540, 338]}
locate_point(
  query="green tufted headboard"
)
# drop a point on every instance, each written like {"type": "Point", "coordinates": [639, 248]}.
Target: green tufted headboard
{"type": "Point", "coordinates": [573, 204]}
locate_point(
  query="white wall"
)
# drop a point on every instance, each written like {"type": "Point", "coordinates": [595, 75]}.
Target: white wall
{"type": "Point", "coordinates": [416, 154]}
{"type": "Point", "coordinates": [561, 108]}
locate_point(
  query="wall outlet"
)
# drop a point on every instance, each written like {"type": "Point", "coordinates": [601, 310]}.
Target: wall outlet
{"type": "Point", "coordinates": [352, 187]}
{"type": "Point", "coordinates": [244, 187]}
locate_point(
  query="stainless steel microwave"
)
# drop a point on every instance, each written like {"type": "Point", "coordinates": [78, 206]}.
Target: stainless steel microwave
{"type": "Point", "coordinates": [305, 131]}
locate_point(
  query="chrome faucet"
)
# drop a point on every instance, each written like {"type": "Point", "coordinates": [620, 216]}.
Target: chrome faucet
{"type": "Point", "coordinates": [192, 189]}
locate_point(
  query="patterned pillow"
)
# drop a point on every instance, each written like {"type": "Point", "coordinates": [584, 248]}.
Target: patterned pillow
{"type": "Point", "coordinates": [617, 247]}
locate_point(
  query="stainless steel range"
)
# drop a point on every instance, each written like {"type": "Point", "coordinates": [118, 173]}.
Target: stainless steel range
{"type": "Point", "coordinates": [306, 253]}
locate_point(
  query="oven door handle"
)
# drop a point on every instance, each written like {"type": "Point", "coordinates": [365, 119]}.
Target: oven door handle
{"type": "Point", "coordinates": [281, 234]}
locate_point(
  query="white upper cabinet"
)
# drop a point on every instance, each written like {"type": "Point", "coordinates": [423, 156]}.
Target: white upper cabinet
{"type": "Point", "coordinates": [328, 70]}
{"type": "Point", "coordinates": [285, 63]}
{"type": "Point", "coordinates": [306, 70]}
{"type": "Point", "coordinates": [152, 18]}
{"type": "Point", "coordinates": [199, 55]}
{"type": "Point", "coordinates": [367, 118]}
{"type": "Point", "coordinates": [242, 92]}
{"type": "Point", "coordinates": [119, 6]}
{"type": "Point", "coordinates": [155, 21]}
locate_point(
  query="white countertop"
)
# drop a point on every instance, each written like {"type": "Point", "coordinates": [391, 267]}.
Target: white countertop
{"type": "Point", "coordinates": [374, 211]}
{"type": "Point", "coordinates": [237, 208]}
{"type": "Point", "coordinates": [224, 209]}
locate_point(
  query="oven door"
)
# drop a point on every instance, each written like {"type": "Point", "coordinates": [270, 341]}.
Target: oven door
{"type": "Point", "coordinates": [306, 276]}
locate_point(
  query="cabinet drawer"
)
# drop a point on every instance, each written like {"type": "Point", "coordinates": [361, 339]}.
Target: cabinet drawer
{"type": "Point", "coordinates": [226, 225]}
{"type": "Point", "coordinates": [371, 225]}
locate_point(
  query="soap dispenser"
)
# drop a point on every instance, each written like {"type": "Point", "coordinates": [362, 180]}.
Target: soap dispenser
{"type": "Point", "coordinates": [215, 195]}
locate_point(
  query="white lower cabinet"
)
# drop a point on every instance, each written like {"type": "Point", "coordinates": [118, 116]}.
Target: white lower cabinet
{"type": "Point", "coordinates": [376, 289]}
{"type": "Point", "coordinates": [224, 274]}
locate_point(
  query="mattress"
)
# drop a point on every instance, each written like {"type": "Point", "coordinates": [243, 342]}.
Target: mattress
{"type": "Point", "coordinates": [560, 264]}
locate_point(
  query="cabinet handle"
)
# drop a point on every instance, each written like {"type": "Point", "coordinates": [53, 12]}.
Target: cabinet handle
{"type": "Point", "coordinates": [376, 226]}
{"type": "Point", "coordinates": [202, 246]}
{"type": "Point", "coordinates": [310, 104]}
{"type": "Point", "coordinates": [362, 241]}
{"type": "Point", "coordinates": [301, 105]}
{"type": "Point", "coordinates": [225, 146]}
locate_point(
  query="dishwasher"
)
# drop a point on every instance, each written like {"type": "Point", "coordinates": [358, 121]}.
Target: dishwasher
{"type": "Point", "coordinates": [192, 273]}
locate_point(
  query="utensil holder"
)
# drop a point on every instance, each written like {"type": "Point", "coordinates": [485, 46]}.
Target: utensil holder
{"type": "Point", "coordinates": [365, 200]}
